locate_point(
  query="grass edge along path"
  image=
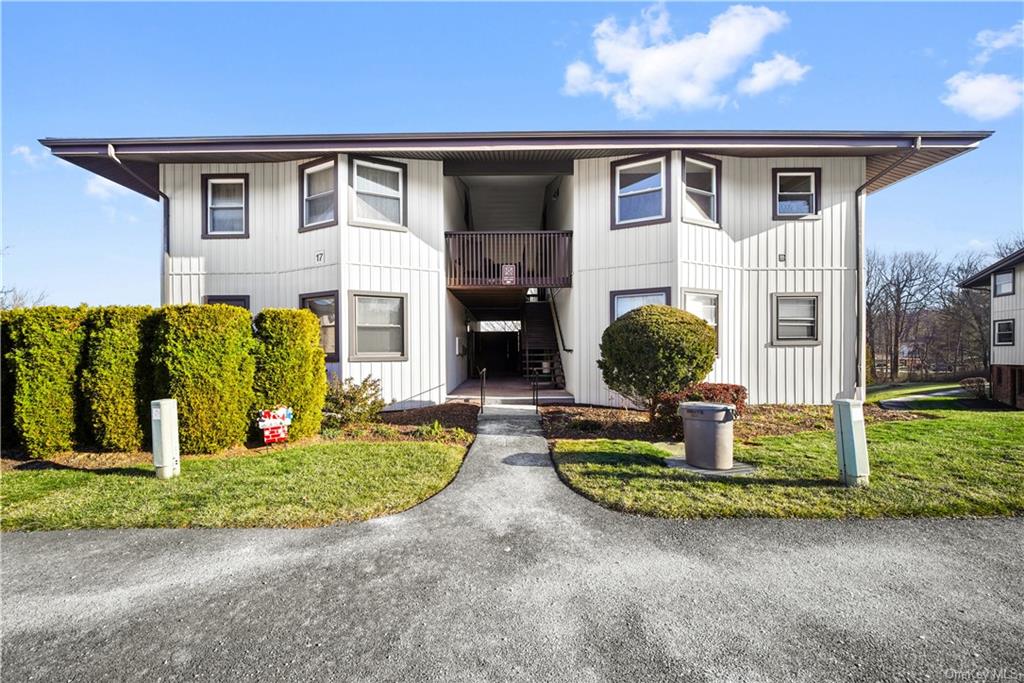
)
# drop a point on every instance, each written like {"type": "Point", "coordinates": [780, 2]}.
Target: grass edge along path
{"type": "Point", "coordinates": [950, 463]}
{"type": "Point", "coordinates": [303, 486]}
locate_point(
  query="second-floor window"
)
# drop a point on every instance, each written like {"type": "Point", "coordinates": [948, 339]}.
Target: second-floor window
{"type": "Point", "coordinates": [796, 192]}
{"type": "Point", "coordinates": [1003, 333]}
{"type": "Point", "coordinates": [378, 193]}
{"type": "Point", "coordinates": [701, 199]}
{"type": "Point", "coordinates": [319, 183]}
{"type": "Point", "coordinates": [226, 205]}
{"type": "Point", "coordinates": [1002, 283]}
{"type": "Point", "coordinates": [640, 191]}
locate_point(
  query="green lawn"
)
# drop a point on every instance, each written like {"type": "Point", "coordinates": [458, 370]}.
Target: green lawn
{"type": "Point", "coordinates": [297, 487]}
{"type": "Point", "coordinates": [951, 462]}
{"type": "Point", "coordinates": [883, 392]}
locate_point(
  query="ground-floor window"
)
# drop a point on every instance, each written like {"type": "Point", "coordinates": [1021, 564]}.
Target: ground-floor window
{"type": "Point", "coordinates": [704, 305]}
{"type": "Point", "coordinates": [796, 319]}
{"type": "Point", "coordinates": [624, 301]}
{"type": "Point", "coordinates": [378, 330]}
{"type": "Point", "coordinates": [324, 306]}
{"type": "Point", "coordinates": [240, 300]}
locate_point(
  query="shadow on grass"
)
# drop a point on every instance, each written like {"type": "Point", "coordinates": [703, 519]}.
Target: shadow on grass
{"type": "Point", "coordinates": [975, 405]}
{"type": "Point", "coordinates": [626, 461]}
{"type": "Point", "coordinates": [37, 465]}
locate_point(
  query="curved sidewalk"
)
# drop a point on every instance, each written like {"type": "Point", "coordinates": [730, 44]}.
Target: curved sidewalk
{"type": "Point", "coordinates": [509, 574]}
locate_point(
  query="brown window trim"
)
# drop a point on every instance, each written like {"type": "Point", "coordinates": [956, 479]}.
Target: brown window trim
{"type": "Point", "coordinates": [205, 180]}
{"type": "Point", "coordinates": [228, 299]}
{"type": "Point", "coordinates": [666, 188]}
{"type": "Point", "coordinates": [352, 220]}
{"type": "Point", "coordinates": [328, 357]}
{"type": "Point", "coordinates": [302, 193]}
{"type": "Point", "coordinates": [717, 163]}
{"type": "Point", "coordinates": [667, 291]}
{"type": "Point", "coordinates": [1013, 332]}
{"type": "Point", "coordinates": [783, 343]}
{"type": "Point", "coordinates": [1013, 282]}
{"type": "Point", "coordinates": [353, 355]}
{"type": "Point", "coordinates": [816, 170]}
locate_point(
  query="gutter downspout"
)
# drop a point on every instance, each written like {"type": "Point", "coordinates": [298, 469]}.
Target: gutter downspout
{"type": "Point", "coordinates": [166, 203]}
{"type": "Point", "coordinates": [860, 383]}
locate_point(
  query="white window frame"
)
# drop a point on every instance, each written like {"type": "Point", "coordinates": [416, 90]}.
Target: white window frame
{"type": "Point", "coordinates": [1009, 322]}
{"type": "Point", "coordinates": [718, 310]}
{"type": "Point", "coordinates": [306, 197]}
{"type": "Point", "coordinates": [777, 320]}
{"type": "Point", "coordinates": [210, 182]}
{"type": "Point", "coordinates": [354, 355]}
{"type": "Point", "coordinates": [779, 193]}
{"type": "Point", "coordinates": [995, 282]}
{"type": "Point", "coordinates": [715, 218]}
{"type": "Point", "coordinates": [400, 194]}
{"type": "Point", "coordinates": [663, 216]}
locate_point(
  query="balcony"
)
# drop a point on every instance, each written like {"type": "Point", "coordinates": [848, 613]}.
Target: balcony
{"type": "Point", "coordinates": [518, 260]}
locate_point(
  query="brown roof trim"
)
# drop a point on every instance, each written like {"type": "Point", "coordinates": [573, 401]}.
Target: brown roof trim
{"type": "Point", "coordinates": [981, 278]}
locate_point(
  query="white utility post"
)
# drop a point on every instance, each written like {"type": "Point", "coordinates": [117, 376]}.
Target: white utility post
{"type": "Point", "coordinates": [851, 441]}
{"type": "Point", "coordinates": [166, 453]}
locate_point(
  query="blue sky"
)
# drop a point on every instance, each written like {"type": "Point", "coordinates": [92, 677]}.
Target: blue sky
{"type": "Point", "coordinates": [190, 69]}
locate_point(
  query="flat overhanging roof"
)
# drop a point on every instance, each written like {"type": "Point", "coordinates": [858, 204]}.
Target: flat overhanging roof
{"type": "Point", "coordinates": [142, 156]}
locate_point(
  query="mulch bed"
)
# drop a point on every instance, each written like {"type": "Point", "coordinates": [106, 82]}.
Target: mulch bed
{"type": "Point", "coordinates": [591, 422]}
{"type": "Point", "coordinates": [404, 423]}
{"type": "Point", "coordinates": [462, 415]}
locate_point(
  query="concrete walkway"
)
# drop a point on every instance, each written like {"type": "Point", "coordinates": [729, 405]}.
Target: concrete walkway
{"type": "Point", "coordinates": [509, 575]}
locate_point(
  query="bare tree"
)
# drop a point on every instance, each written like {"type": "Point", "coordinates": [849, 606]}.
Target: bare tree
{"type": "Point", "coordinates": [1011, 244]}
{"type": "Point", "coordinates": [966, 311]}
{"type": "Point", "coordinates": [874, 300]}
{"type": "Point", "coordinates": [913, 280]}
{"type": "Point", "coordinates": [12, 297]}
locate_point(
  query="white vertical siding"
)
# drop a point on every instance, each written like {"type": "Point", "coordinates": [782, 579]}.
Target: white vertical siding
{"type": "Point", "coordinates": [740, 261]}
{"type": "Point", "coordinates": [277, 264]}
{"type": "Point", "coordinates": [1010, 308]}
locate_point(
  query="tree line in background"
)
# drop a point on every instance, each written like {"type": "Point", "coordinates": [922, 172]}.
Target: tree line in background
{"type": "Point", "coordinates": [920, 323]}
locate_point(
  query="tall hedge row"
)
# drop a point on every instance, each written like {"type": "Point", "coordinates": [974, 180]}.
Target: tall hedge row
{"type": "Point", "coordinates": [85, 377]}
{"type": "Point", "coordinates": [290, 366]}
{"type": "Point", "coordinates": [42, 359]}
{"type": "Point", "coordinates": [117, 375]}
{"type": "Point", "coordinates": [203, 357]}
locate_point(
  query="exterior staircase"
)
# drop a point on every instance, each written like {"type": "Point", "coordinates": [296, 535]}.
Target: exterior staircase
{"type": "Point", "coordinates": [539, 346]}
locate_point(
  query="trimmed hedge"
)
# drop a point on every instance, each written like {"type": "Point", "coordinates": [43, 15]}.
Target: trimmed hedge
{"type": "Point", "coordinates": [117, 376]}
{"type": "Point", "coordinates": [290, 367]}
{"type": "Point", "coordinates": [669, 421]}
{"type": "Point", "coordinates": [43, 352]}
{"type": "Point", "coordinates": [203, 357]}
{"type": "Point", "coordinates": [654, 350]}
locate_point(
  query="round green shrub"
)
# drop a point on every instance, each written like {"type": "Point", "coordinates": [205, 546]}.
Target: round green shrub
{"type": "Point", "coordinates": [116, 377]}
{"type": "Point", "coordinates": [290, 367]}
{"type": "Point", "coordinates": [655, 350]}
{"type": "Point", "coordinates": [203, 358]}
{"type": "Point", "coordinates": [43, 351]}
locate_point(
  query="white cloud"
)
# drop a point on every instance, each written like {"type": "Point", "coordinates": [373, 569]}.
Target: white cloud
{"type": "Point", "coordinates": [644, 68]}
{"type": "Point", "coordinates": [103, 189]}
{"type": "Point", "coordinates": [991, 41]}
{"type": "Point", "coordinates": [979, 245]}
{"type": "Point", "coordinates": [983, 96]}
{"type": "Point", "coordinates": [765, 76]}
{"type": "Point", "coordinates": [31, 158]}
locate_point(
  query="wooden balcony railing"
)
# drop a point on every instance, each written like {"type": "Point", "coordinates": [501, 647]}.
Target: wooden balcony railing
{"type": "Point", "coordinates": [509, 259]}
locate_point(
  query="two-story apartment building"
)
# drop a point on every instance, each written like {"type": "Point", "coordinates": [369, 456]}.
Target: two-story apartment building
{"type": "Point", "coordinates": [1005, 281]}
{"type": "Point", "coordinates": [430, 257]}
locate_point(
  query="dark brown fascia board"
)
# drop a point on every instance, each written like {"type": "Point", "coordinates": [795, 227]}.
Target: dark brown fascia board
{"type": "Point", "coordinates": [396, 141]}
{"type": "Point", "coordinates": [981, 279]}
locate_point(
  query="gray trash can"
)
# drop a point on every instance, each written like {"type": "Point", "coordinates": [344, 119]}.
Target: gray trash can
{"type": "Point", "coordinates": [707, 433]}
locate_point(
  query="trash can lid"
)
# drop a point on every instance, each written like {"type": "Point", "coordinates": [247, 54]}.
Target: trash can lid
{"type": "Point", "coordinates": [701, 408]}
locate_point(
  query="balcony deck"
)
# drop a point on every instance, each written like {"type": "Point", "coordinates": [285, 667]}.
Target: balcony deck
{"type": "Point", "coordinates": [509, 260]}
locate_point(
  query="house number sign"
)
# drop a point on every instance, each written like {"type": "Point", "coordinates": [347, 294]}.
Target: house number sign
{"type": "Point", "coordinates": [508, 273]}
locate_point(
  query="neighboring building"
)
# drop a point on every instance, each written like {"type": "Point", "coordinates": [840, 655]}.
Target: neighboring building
{"type": "Point", "coordinates": [429, 256]}
{"type": "Point", "coordinates": [1005, 280]}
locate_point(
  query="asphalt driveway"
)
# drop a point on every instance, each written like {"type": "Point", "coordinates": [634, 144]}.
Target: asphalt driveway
{"type": "Point", "coordinates": [508, 574]}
